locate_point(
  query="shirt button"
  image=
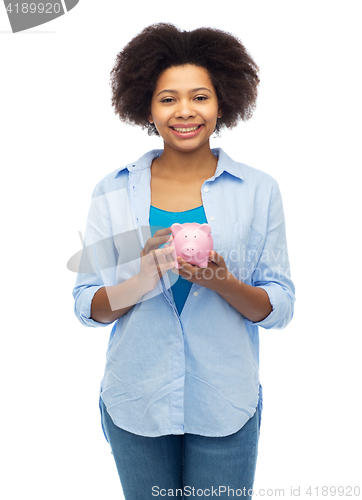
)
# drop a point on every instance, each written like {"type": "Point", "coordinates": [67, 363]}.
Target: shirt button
{"type": "Point", "coordinates": [212, 218]}
{"type": "Point", "coordinates": [206, 189]}
{"type": "Point", "coordinates": [196, 293]}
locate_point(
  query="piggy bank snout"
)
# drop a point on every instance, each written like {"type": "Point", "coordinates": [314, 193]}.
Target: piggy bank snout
{"type": "Point", "coordinates": [189, 252]}
{"type": "Point", "coordinates": [189, 247]}
{"type": "Point", "coordinates": [195, 249]}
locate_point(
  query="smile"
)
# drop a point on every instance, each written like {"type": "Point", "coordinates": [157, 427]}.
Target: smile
{"type": "Point", "coordinates": [186, 132]}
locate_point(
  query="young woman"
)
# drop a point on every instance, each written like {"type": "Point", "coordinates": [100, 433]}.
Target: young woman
{"type": "Point", "coordinates": [181, 398]}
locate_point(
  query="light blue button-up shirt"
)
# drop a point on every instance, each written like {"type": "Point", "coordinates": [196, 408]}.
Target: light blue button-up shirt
{"type": "Point", "coordinates": [197, 372]}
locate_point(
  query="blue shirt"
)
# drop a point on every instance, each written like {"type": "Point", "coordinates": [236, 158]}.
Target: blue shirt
{"type": "Point", "coordinates": [195, 372]}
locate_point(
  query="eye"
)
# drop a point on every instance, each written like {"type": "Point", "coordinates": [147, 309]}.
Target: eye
{"type": "Point", "coordinates": [200, 98]}
{"type": "Point", "coordinates": [167, 99]}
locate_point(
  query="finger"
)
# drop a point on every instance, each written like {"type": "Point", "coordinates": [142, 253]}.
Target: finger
{"type": "Point", "coordinates": [161, 232]}
{"type": "Point", "coordinates": [186, 266]}
{"type": "Point", "coordinates": [215, 257]}
{"type": "Point", "coordinates": [163, 235]}
{"type": "Point", "coordinates": [156, 262]}
{"type": "Point", "coordinates": [165, 250]}
{"type": "Point", "coordinates": [167, 253]}
{"type": "Point", "coordinates": [161, 269]}
{"type": "Point", "coordinates": [161, 240]}
{"type": "Point", "coordinates": [160, 256]}
{"type": "Point", "coordinates": [154, 243]}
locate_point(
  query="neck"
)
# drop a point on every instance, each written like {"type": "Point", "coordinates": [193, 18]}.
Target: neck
{"type": "Point", "coordinates": [187, 164]}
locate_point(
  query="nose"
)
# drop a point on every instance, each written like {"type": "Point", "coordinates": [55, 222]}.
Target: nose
{"type": "Point", "coordinates": [185, 109]}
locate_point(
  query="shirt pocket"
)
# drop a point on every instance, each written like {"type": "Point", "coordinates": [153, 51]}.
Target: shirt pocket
{"type": "Point", "coordinates": [244, 253]}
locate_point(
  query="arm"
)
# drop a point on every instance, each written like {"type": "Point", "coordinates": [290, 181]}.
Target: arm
{"type": "Point", "coordinates": [270, 296]}
{"type": "Point", "coordinates": [272, 271]}
{"type": "Point", "coordinates": [122, 297]}
{"type": "Point", "coordinates": [98, 268]}
{"type": "Point", "coordinates": [252, 302]}
{"type": "Point", "coordinates": [107, 287]}
{"type": "Point", "coordinates": [269, 300]}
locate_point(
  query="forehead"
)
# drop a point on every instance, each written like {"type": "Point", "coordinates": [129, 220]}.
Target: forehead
{"type": "Point", "coordinates": [184, 77]}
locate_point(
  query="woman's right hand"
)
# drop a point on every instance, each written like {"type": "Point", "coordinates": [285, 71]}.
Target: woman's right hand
{"type": "Point", "coordinates": [155, 261]}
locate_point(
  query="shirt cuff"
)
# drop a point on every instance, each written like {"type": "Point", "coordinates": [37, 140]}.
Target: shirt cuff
{"type": "Point", "coordinates": [282, 308]}
{"type": "Point", "coordinates": [83, 307]}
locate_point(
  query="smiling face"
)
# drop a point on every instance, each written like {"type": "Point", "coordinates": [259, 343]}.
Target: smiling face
{"type": "Point", "coordinates": [184, 107]}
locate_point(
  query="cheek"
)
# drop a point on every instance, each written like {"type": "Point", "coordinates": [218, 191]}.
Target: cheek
{"type": "Point", "coordinates": [159, 116]}
{"type": "Point", "coordinates": [212, 114]}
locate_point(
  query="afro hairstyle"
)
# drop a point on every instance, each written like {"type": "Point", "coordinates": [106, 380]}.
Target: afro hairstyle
{"type": "Point", "coordinates": [160, 46]}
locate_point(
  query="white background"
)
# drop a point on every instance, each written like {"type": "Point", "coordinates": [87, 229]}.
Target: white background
{"type": "Point", "coordinates": [60, 136]}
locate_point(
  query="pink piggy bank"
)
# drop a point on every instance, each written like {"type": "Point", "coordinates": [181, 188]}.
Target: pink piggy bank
{"type": "Point", "coordinates": [193, 242]}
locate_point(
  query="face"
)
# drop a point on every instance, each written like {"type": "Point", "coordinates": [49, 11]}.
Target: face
{"type": "Point", "coordinates": [184, 107]}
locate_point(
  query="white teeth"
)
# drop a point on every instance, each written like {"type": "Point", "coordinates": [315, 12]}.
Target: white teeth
{"type": "Point", "coordinates": [189, 129]}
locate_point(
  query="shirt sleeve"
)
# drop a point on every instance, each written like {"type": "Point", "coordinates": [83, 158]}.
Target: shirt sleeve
{"type": "Point", "coordinates": [98, 259]}
{"type": "Point", "coordinates": [272, 272]}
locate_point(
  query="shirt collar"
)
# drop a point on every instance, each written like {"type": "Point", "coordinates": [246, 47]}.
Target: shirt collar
{"type": "Point", "coordinates": [225, 163]}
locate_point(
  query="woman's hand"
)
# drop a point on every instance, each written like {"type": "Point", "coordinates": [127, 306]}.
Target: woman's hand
{"type": "Point", "coordinates": [215, 276]}
{"type": "Point", "coordinates": [155, 261]}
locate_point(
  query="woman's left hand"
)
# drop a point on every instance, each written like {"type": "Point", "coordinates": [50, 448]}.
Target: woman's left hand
{"type": "Point", "coordinates": [215, 276]}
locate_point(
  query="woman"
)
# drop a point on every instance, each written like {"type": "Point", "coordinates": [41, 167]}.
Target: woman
{"type": "Point", "coordinates": [181, 398]}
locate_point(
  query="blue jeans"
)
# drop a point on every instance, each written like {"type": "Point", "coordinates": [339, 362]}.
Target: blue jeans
{"type": "Point", "coordinates": [185, 465]}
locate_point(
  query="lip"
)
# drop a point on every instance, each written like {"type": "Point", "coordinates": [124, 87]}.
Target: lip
{"type": "Point", "coordinates": [187, 135]}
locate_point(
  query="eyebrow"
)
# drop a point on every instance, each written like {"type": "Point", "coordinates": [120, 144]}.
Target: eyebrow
{"type": "Point", "coordinates": [190, 92]}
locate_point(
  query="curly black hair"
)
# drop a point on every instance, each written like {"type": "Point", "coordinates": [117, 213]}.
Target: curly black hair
{"type": "Point", "coordinates": [160, 46]}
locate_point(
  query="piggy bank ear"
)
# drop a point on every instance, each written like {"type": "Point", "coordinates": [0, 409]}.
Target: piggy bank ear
{"type": "Point", "coordinates": [176, 228]}
{"type": "Point", "coordinates": [205, 228]}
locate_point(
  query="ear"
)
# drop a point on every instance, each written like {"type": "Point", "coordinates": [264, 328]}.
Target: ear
{"type": "Point", "coordinates": [176, 228]}
{"type": "Point", "coordinates": [205, 228]}
{"type": "Point", "coordinates": [219, 113]}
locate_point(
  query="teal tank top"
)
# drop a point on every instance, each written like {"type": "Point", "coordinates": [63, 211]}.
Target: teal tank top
{"type": "Point", "coordinates": [162, 219]}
